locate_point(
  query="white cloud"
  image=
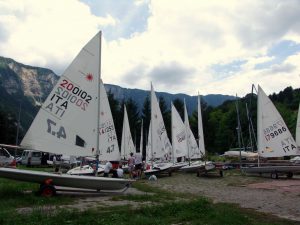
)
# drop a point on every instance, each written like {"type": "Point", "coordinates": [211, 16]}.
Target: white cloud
{"type": "Point", "coordinates": [194, 34]}
{"type": "Point", "coordinates": [47, 33]}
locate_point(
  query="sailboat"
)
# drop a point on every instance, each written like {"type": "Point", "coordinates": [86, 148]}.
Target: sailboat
{"type": "Point", "coordinates": [195, 152]}
{"type": "Point", "coordinates": [239, 153]}
{"type": "Point", "coordinates": [159, 146]}
{"type": "Point", "coordinates": [274, 138]}
{"type": "Point", "coordinates": [179, 140]}
{"type": "Point", "coordinates": [127, 145]}
{"type": "Point", "coordinates": [69, 123]}
{"type": "Point", "coordinates": [109, 149]}
{"type": "Point", "coordinates": [296, 159]}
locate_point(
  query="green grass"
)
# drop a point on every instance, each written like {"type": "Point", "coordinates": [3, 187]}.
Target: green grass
{"type": "Point", "coordinates": [198, 211]}
{"type": "Point", "coordinates": [14, 195]}
{"type": "Point", "coordinates": [165, 207]}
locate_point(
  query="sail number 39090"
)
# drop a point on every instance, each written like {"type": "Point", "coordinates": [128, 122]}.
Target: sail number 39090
{"type": "Point", "coordinates": [59, 132]}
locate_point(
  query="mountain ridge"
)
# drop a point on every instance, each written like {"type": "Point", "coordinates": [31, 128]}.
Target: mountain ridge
{"type": "Point", "coordinates": [29, 86]}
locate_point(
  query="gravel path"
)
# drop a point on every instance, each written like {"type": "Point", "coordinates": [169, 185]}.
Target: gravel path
{"type": "Point", "coordinates": [279, 197]}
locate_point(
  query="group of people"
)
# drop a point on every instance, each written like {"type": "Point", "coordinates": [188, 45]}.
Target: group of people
{"type": "Point", "coordinates": [135, 167]}
{"type": "Point", "coordinates": [116, 172]}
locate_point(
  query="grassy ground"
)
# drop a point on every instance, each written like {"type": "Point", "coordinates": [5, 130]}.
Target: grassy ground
{"type": "Point", "coordinates": [162, 207]}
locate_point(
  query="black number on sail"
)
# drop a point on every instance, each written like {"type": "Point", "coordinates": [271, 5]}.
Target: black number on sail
{"type": "Point", "coordinates": [110, 149]}
{"type": "Point", "coordinates": [61, 133]}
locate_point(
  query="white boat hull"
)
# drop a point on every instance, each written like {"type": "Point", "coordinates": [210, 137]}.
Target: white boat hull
{"type": "Point", "coordinates": [177, 166]}
{"type": "Point", "coordinates": [195, 166]}
{"type": "Point", "coordinates": [158, 168]}
{"type": "Point", "coordinates": [65, 180]}
{"type": "Point", "coordinates": [85, 170]}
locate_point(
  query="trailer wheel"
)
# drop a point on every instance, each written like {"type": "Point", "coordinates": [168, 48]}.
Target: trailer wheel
{"type": "Point", "coordinates": [221, 173]}
{"type": "Point", "coordinates": [274, 175]}
{"type": "Point", "coordinates": [47, 190]}
{"type": "Point", "coordinates": [289, 175]}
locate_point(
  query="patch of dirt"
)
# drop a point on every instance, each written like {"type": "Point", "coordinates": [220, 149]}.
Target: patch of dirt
{"type": "Point", "coordinates": [85, 201]}
{"type": "Point", "coordinates": [279, 197]}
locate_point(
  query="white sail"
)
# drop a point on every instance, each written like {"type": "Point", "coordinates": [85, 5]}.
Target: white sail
{"type": "Point", "coordinates": [148, 146]}
{"type": "Point", "coordinates": [298, 129]}
{"type": "Point", "coordinates": [200, 130]}
{"type": "Point", "coordinates": [160, 143]}
{"type": "Point", "coordinates": [109, 149]}
{"type": "Point", "coordinates": [179, 143]}
{"type": "Point", "coordinates": [193, 150]}
{"type": "Point", "coordinates": [67, 121]}
{"type": "Point", "coordinates": [274, 137]}
{"type": "Point", "coordinates": [127, 145]}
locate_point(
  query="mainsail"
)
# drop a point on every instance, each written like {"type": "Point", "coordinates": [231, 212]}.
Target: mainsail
{"type": "Point", "coordinates": [179, 143]}
{"type": "Point", "coordinates": [298, 129]}
{"type": "Point", "coordinates": [274, 137]}
{"type": "Point", "coordinates": [109, 148]}
{"type": "Point", "coordinates": [127, 145]}
{"type": "Point", "coordinates": [160, 144]}
{"type": "Point", "coordinates": [67, 121]}
{"type": "Point", "coordinates": [200, 130]}
{"type": "Point", "coordinates": [193, 150]}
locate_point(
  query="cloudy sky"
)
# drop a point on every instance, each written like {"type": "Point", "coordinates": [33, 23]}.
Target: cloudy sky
{"type": "Point", "coordinates": [181, 46]}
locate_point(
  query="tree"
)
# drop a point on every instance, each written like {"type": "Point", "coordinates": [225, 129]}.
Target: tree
{"type": "Point", "coordinates": [134, 119]}
{"type": "Point", "coordinates": [178, 103]}
{"type": "Point", "coordinates": [166, 114]}
{"type": "Point", "coordinates": [146, 116]}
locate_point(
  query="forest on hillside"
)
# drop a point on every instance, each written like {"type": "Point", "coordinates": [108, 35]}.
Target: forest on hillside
{"type": "Point", "coordinates": [219, 123]}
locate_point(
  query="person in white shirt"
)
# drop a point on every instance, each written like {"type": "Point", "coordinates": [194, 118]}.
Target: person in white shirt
{"type": "Point", "coordinates": [138, 164]}
{"type": "Point", "coordinates": [131, 163]}
{"type": "Point", "coordinates": [120, 172]}
{"type": "Point", "coordinates": [107, 168]}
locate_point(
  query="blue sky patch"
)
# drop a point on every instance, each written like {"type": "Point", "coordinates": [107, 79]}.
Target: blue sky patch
{"type": "Point", "coordinates": [132, 17]}
{"type": "Point", "coordinates": [279, 52]}
{"type": "Point", "coordinates": [225, 70]}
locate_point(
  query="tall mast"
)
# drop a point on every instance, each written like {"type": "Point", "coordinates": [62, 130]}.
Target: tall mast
{"type": "Point", "coordinates": [238, 128]}
{"type": "Point", "coordinates": [98, 113]}
{"type": "Point", "coordinates": [172, 132]}
{"type": "Point", "coordinates": [141, 139]}
{"type": "Point", "coordinates": [151, 103]}
{"type": "Point", "coordinates": [186, 131]}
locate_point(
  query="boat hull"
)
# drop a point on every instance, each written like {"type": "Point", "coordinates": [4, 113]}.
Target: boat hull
{"type": "Point", "coordinates": [158, 168]}
{"type": "Point", "coordinates": [66, 180]}
{"type": "Point", "coordinates": [195, 166]}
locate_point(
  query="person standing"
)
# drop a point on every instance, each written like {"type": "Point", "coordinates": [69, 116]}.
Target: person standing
{"type": "Point", "coordinates": [138, 164]}
{"type": "Point", "coordinates": [131, 162]}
